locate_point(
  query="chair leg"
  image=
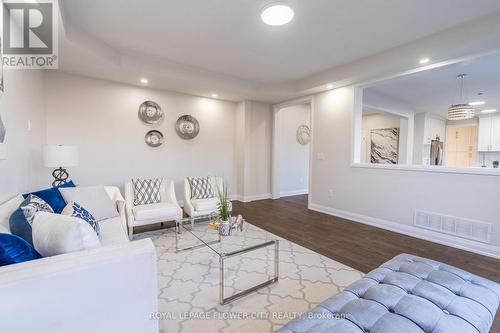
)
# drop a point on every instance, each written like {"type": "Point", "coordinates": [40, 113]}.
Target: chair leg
{"type": "Point", "coordinates": [131, 233]}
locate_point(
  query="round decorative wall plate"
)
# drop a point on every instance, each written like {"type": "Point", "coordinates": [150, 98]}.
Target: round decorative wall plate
{"type": "Point", "coordinates": [154, 138]}
{"type": "Point", "coordinates": [303, 134]}
{"type": "Point", "coordinates": [187, 127]}
{"type": "Point", "coordinates": [150, 112]}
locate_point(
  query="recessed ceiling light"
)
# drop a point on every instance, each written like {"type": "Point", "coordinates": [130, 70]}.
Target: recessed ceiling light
{"type": "Point", "coordinates": [477, 103]}
{"type": "Point", "coordinates": [214, 95]}
{"type": "Point", "coordinates": [144, 80]}
{"type": "Point", "coordinates": [424, 61]}
{"type": "Point", "coordinates": [277, 14]}
{"type": "Point", "coordinates": [329, 86]}
{"type": "Point", "coordinates": [489, 111]}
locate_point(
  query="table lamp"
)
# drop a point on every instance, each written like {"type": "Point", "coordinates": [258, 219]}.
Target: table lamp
{"type": "Point", "coordinates": [60, 157]}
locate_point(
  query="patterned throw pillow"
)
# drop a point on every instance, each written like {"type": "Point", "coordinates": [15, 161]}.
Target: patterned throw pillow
{"type": "Point", "coordinates": [201, 187]}
{"type": "Point", "coordinates": [75, 210]}
{"type": "Point", "coordinates": [21, 220]}
{"type": "Point", "coordinates": [34, 205]}
{"type": "Point", "coordinates": [146, 191]}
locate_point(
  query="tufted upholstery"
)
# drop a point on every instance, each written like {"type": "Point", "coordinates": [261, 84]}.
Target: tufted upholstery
{"type": "Point", "coordinates": [407, 294]}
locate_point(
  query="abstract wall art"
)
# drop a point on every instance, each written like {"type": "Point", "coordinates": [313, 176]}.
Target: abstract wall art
{"type": "Point", "coordinates": [384, 145]}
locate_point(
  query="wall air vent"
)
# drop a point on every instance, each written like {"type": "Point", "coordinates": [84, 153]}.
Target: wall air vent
{"type": "Point", "coordinates": [452, 225]}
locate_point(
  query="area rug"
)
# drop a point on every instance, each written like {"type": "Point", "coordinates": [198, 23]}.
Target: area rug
{"type": "Point", "coordinates": [189, 286]}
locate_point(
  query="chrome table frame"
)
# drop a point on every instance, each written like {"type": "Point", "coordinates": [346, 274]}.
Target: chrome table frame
{"type": "Point", "coordinates": [225, 300]}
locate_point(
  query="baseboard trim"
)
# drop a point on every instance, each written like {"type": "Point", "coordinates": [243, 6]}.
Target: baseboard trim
{"type": "Point", "coordinates": [291, 193]}
{"type": "Point", "coordinates": [429, 235]}
{"type": "Point", "coordinates": [255, 197]}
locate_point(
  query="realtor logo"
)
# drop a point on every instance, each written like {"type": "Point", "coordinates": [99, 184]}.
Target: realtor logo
{"type": "Point", "coordinates": [29, 34]}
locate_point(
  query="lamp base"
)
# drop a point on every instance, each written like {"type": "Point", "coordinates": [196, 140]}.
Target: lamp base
{"type": "Point", "coordinates": [60, 176]}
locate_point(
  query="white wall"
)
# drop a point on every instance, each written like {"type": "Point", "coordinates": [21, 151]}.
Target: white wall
{"type": "Point", "coordinates": [294, 157]}
{"type": "Point", "coordinates": [21, 102]}
{"type": "Point", "coordinates": [258, 136]}
{"type": "Point", "coordinates": [386, 197]}
{"type": "Point", "coordinates": [101, 118]}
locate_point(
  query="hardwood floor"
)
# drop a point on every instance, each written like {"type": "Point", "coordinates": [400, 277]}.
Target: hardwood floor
{"type": "Point", "coordinates": [357, 245]}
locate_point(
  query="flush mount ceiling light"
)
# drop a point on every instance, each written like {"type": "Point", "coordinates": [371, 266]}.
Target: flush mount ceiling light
{"type": "Point", "coordinates": [144, 80]}
{"type": "Point", "coordinates": [461, 110]}
{"type": "Point", "coordinates": [489, 111]}
{"type": "Point", "coordinates": [277, 14]}
{"type": "Point", "coordinates": [424, 61]}
{"type": "Point", "coordinates": [477, 103]}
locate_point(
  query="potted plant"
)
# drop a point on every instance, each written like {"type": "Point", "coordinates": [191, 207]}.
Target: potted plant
{"type": "Point", "coordinates": [495, 164]}
{"type": "Point", "coordinates": [224, 213]}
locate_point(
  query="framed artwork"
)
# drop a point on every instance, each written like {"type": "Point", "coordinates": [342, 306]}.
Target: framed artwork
{"type": "Point", "coordinates": [1, 62]}
{"type": "Point", "coordinates": [384, 145]}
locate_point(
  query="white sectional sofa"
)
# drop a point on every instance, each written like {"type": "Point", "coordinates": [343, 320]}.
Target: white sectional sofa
{"type": "Point", "coordinates": [109, 289]}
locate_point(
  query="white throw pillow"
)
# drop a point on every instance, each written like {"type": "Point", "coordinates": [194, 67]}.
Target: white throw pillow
{"type": "Point", "coordinates": [4, 230]}
{"type": "Point", "coordinates": [55, 234]}
{"type": "Point", "coordinates": [7, 208]}
{"type": "Point", "coordinates": [93, 198]}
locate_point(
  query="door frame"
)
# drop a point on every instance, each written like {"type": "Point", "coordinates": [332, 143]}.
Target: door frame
{"type": "Point", "coordinates": [276, 143]}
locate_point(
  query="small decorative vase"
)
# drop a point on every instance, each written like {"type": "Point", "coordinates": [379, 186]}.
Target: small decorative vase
{"type": "Point", "coordinates": [225, 228]}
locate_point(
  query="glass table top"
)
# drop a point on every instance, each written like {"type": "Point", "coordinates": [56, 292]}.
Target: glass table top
{"type": "Point", "coordinates": [239, 241]}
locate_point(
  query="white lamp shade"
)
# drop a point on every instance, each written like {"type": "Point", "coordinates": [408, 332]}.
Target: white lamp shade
{"type": "Point", "coordinates": [60, 156]}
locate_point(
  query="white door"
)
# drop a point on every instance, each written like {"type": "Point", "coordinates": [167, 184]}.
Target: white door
{"type": "Point", "coordinates": [484, 138]}
{"type": "Point", "coordinates": [495, 134]}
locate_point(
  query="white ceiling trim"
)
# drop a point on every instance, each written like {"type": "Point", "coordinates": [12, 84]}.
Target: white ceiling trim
{"type": "Point", "coordinates": [106, 62]}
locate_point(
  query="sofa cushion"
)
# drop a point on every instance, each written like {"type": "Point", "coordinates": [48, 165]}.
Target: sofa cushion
{"type": "Point", "coordinates": [205, 204]}
{"type": "Point", "coordinates": [52, 196]}
{"type": "Point", "coordinates": [75, 210]}
{"type": "Point", "coordinates": [55, 234]}
{"type": "Point", "coordinates": [6, 210]}
{"type": "Point", "coordinates": [155, 211]}
{"type": "Point", "coordinates": [409, 294]}
{"type": "Point", "coordinates": [14, 249]}
{"type": "Point", "coordinates": [22, 219]}
{"type": "Point", "coordinates": [112, 232]}
{"type": "Point", "coordinates": [94, 198]}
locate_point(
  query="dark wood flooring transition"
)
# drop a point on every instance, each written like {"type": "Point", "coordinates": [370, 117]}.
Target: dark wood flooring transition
{"type": "Point", "coordinates": [357, 245]}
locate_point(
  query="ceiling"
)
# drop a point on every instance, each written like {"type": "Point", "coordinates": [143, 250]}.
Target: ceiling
{"type": "Point", "coordinates": [226, 41]}
{"type": "Point", "coordinates": [435, 89]}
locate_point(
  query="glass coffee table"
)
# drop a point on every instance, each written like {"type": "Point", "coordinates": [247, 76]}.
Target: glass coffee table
{"type": "Point", "coordinates": [249, 238]}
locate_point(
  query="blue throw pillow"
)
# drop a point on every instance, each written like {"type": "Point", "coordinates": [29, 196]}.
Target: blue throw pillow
{"type": "Point", "coordinates": [14, 249]}
{"type": "Point", "coordinates": [53, 197]}
{"type": "Point", "coordinates": [21, 220]}
{"type": "Point", "coordinates": [74, 209]}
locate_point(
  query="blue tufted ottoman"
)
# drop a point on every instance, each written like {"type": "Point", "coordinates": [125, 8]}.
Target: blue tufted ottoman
{"type": "Point", "coordinates": [407, 294]}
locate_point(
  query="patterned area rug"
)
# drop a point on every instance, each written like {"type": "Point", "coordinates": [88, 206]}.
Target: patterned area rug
{"type": "Point", "coordinates": [189, 286]}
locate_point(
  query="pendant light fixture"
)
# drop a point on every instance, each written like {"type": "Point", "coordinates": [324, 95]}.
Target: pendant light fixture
{"type": "Point", "coordinates": [462, 110]}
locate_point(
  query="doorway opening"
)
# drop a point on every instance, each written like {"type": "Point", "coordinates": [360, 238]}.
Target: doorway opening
{"type": "Point", "coordinates": [292, 139]}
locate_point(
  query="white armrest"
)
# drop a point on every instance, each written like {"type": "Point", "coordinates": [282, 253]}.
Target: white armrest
{"type": "Point", "coordinates": [109, 289]}
{"type": "Point", "coordinates": [129, 202]}
{"type": "Point", "coordinates": [188, 207]}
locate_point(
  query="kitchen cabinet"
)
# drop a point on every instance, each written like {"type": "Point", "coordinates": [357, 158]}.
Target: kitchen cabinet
{"type": "Point", "coordinates": [461, 146]}
{"type": "Point", "coordinates": [489, 134]}
{"type": "Point", "coordinates": [434, 128]}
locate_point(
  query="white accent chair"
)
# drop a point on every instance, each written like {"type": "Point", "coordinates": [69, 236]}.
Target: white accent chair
{"type": "Point", "coordinates": [166, 210]}
{"type": "Point", "coordinates": [198, 207]}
